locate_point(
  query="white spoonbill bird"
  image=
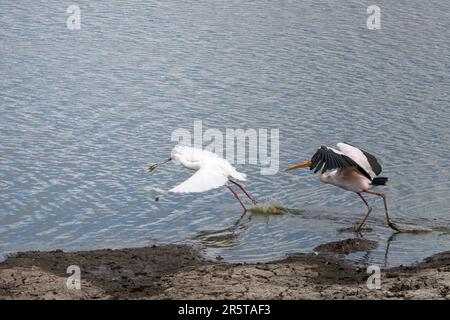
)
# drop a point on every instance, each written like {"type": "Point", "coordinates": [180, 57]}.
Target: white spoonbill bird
{"type": "Point", "coordinates": [211, 172]}
{"type": "Point", "coordinates": [351, 169]}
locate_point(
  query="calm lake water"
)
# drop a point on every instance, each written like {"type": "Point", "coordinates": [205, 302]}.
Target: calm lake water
{"type": "Point", "coordinates": [83, 112]}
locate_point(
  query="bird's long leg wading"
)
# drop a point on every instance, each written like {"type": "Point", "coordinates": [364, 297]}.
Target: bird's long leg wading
{"type": "Point", "coordinates": [238, 221]}
{"type": "Point", "coordinates": [389, 222]}
{"type": "Point", "coordinates": [237, 197]}
{"type": "Point", "coordinates": [369, 210]}
{"type": "Point", "coordinates": [243, 190]}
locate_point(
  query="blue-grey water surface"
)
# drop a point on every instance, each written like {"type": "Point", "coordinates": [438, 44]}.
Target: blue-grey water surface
{"type": "Point", "coordinates": [83, 112]}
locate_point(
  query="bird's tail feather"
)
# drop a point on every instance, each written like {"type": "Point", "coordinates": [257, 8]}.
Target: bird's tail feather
{"type": "Point", "coordinates": [379, 181]}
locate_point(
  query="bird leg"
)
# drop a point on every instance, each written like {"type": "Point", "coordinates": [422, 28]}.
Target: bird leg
{"type": "Point", "coordinates": [237, 197]}
{"type": "Point", "coordinates": [369, 208]}
{"type": "Point", "coordinates": [243, 190]}
{"type": "Point", "coordinates": [389, 222]}
{"type": "Point", "coordinates": [239, 220]}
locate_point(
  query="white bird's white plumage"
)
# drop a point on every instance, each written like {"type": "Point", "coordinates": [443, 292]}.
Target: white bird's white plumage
{"type": "Point", "coordinates": [211, 170]}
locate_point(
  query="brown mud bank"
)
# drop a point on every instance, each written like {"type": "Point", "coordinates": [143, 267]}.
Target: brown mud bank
{"type": "Point", "coordinates": [179, 272]}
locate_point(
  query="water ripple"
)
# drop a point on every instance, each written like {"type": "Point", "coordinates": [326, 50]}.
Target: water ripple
{"type": "Point", "coordinates": [84, 112]}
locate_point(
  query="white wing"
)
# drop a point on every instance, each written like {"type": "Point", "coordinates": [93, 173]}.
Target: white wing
{"type": "Point", "coordinates": [229, 170]}
{"type": "Point", "coordinates": [206, 178]}
{"type": "Point", "coordinates": [356, 155]}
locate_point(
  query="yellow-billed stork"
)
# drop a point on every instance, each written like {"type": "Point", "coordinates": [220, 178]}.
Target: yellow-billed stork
{"type": "Point", "coordinates": [352, 169]}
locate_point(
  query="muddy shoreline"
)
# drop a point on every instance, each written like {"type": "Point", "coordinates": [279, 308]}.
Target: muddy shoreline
{"type": "Point", "coordinates": [180, 272]}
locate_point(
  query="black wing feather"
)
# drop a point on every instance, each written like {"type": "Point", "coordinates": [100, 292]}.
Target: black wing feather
{"type": "Point", "coordinates": [374, 164]}
{"type": "Point", "coordinates": [327, 159]}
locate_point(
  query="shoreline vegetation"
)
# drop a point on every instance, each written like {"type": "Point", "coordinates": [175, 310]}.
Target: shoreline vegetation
{"type": "Point", "coordinates": [180, 272]}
